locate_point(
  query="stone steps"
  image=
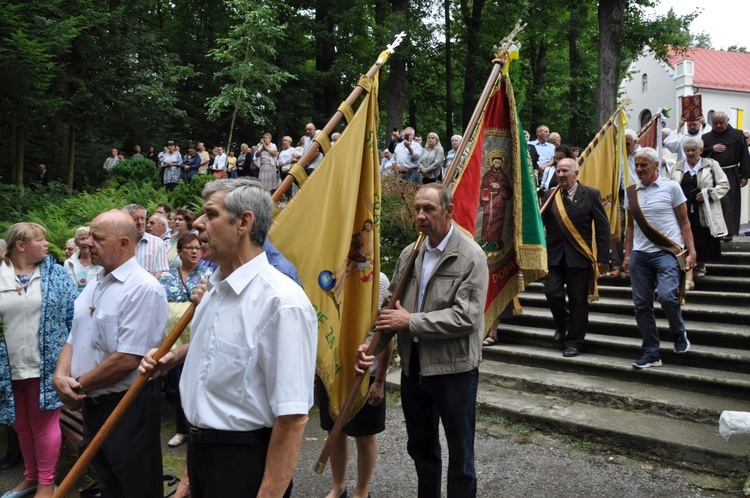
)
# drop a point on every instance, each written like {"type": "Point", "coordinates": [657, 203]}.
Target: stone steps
{"type": "Point", "coordinates": [669, 412]}
{"type": "Point", "coordinates": [706, 333]}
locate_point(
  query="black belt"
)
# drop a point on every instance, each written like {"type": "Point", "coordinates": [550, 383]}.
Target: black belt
{"type": "Point", "coordinates": [105, 399]}
{"type": "Point", "coordinates": [213, 436]}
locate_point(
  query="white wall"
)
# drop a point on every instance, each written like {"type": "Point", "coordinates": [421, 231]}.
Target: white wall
{"type": "Point", "coordinates": [660, 91]}
{"type": "Point", "coordinates": [665, 87]}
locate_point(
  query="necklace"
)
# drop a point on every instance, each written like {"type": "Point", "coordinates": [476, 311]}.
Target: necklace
{"type": "Point", "coordinates": [95, 299]}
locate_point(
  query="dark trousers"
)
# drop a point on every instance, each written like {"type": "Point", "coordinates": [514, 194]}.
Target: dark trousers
{"type": "Point", "coordinates": [576, 282]}
{"type": "Point", "coordinates": [128, 464]}
{"type": "Point", "coordinates": [451, 398]}
{"type": "Point", "coordinates": [173, 382]}
{"type": "Point", "coordinates": [227, 470]}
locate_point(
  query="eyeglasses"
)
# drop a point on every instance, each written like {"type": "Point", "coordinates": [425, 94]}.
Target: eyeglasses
{"type": "Point", "coordinates": [191, 248]}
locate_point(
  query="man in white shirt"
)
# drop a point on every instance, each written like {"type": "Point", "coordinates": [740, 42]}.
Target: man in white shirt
{"type": "Point", "coordinates": [652, 267]}
{"type": "Point", "coordinates": [110, 162]}
{"type": "Point", "coordinates": [150, 251]}
{"type": "Point", "coordinates": [544, 148]}
{"type": "Point", "coordinates": [157, 226]}
{"type": "Point", "coordinates": [406, 156]}
{"type": "Point", "coordinates": [220, 161]}
{"type": "Point", "coordinates": [247, 380]}
{"type": "Point", "coordinates": [116, 320]}
{"type": "Point", "coordinates": [687, 129]}
{"type": "Point", "coordinates": [310, 131]}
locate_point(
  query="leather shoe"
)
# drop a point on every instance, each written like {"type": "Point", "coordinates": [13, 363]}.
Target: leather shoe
{"type": "Point", "coordinates": [559, 336]}
{"type": "Point", "coordinates": [570, 352]}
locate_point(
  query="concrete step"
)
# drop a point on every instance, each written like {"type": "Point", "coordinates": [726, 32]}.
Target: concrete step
{"type": "Point", "coordinates": [701, 356]}
{"type": "Point", "coordinates": [699, 332]}
{"type": "Point", "coordinates": [693, 445]}
{"type": "Point", "coordinates": [739, 268]}
{"type": "Point", "coordinates": [717, 382]}
{"type": "Point", "coordinates": [727, 299]}
{"type": "Point", "coordinates": [707, 283]}
{"type": "Point", "coordinates": [691, 311]}
{"type": "Point", "coordinates": [612, 393]}
{"type": "Point", "coordinates": [690, 444]}
{"type": "Point", "coordinates": [735, 257]}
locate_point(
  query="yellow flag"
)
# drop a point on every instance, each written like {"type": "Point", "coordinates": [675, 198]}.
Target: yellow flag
{"type": "Point", "coordinates": [330, 230]}
{"type": "Point", "coordinates": [601, 169]}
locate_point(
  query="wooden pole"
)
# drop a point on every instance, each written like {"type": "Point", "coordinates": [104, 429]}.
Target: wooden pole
{"type": "Point", "coordinates": [121, 408]}
{"type": "Point", "coordinates": [595, 141]}
{"type": "Point", "coordinates": [336, 119]}
{"type": "Point", "coordinates": [589, 149]}
{"type": "Point", "coordinates": [372, 349]}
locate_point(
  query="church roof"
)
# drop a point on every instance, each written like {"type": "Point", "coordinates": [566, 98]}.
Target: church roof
{"type": "Point", "coordinates": [717, 69]}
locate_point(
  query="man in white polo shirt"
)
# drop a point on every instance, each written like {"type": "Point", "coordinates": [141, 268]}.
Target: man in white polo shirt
{"type": "Point", "coordinates": [653, 268]}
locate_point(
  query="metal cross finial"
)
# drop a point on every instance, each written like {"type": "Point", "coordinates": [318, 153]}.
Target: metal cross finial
{"type": "Point", "coordinates": [396, 42]}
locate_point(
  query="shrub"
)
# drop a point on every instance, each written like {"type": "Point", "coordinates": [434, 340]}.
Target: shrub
{"type": "Point", "coordinates": [398, 227]}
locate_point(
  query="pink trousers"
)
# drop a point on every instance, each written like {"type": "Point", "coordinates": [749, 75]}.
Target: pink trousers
{"type": "Point", "coordinates": [38, 433]}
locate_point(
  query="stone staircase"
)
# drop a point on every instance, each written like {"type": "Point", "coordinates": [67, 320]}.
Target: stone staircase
{"type": "Point", "coordinates": [670, 412]}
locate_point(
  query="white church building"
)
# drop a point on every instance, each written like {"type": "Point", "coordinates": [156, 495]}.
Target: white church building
{"type": "Point", "coordinates": [721, 78]}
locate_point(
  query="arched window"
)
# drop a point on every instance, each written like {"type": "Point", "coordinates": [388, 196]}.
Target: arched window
{"type": "Point", "coordinates": [645, 117]}
{"type": "Point", "coordinates": [644, 83]}
{"type": "Point", "coordinates": [710, 117]}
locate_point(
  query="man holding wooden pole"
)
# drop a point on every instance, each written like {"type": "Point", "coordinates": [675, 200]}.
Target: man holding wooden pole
{"type": "Point", "coordinates": [247, 382]}
{"type": "Point", "coordinates": [116, 320]}
{"type": "Point", "coordinates": [440, 326]}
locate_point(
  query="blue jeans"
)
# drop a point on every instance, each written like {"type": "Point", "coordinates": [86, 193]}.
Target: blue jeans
{"type": "Point", "coordinates": [412, 174]}
{"type": "Point", "coordinates": [451, 398]}
{"type": "Point", "coordinates": [660, 272]}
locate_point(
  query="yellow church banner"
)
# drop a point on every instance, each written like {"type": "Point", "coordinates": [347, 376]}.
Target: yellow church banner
{"type": "Point", "coordinates": [330, 230]}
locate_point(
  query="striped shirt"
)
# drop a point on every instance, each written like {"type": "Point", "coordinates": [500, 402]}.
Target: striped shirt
{"type": "Point", "coordinates": [151, 253]}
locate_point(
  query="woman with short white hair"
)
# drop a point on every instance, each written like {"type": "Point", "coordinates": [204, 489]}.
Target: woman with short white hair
{"type": "Point", "coordinates": [698, 175]}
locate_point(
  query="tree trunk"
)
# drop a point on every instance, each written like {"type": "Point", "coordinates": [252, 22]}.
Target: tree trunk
{"type": "Point", "coordinates": [538, 55]}
{"type": "Point", "coordinates": [327, 94]}
{"type": "Point", "coordinates": [397, 76]}
{"type": "Point", "coordinates": [448, 73]}
{"type": "Point", "coordinates": [576, 106]}
{"type": "Point", "coordinates": [473, 20]}
{"type": "Point", "coordinates": [18, 145]}
{"type": "Point", "coordinates": [71, 157]}
{"type": "Point", "coordinates": [611, 31]}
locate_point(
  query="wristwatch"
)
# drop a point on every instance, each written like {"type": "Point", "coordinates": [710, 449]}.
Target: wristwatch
{"type": "Point", "coordinates": [80, 389]}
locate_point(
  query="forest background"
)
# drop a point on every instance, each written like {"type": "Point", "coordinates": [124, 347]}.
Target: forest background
{"type": "Point", "coordinates": [79, 77]}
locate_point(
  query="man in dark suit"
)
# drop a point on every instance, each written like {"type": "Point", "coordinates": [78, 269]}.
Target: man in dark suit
{"type": "Point", "coordinates": [570, 257]}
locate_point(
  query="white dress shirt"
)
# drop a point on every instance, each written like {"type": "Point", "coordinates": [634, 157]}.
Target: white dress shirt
{"type": "Point", "coordinates": [129, 316]}
{"type": "Point", "coordinates": [252, 351]}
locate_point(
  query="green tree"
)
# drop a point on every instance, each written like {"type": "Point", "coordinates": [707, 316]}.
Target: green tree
{"type": "Point", "coordinates": [248, 73]}
{"type": "Point", "coordinates": [33, 35]}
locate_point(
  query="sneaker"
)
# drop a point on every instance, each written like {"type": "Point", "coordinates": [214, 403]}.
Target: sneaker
{"type": "Point", "coordinates": [646, 361]}
{"type": "Point", "coordinates": [681, 343]}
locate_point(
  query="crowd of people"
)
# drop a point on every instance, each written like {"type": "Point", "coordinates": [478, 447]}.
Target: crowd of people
{"type": "Point", "coordinates": [78, 334]}
{"type": "Point", "coordinates": [263, 161]}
